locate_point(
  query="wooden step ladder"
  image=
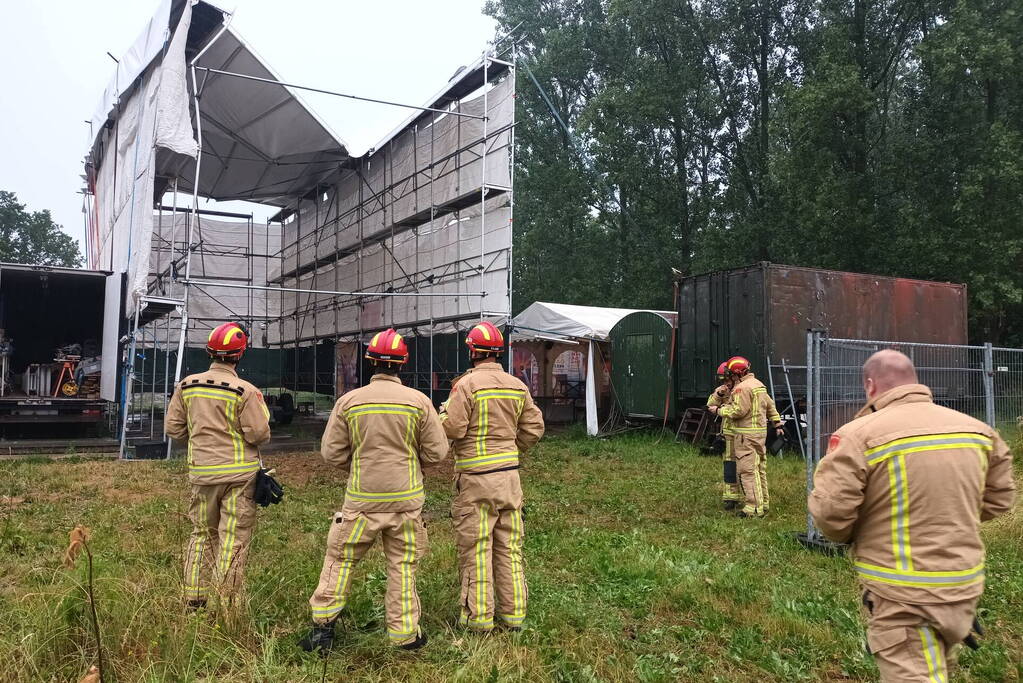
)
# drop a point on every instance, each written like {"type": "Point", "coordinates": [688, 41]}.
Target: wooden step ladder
{"type": "Point", "coordinates": [696, 424]}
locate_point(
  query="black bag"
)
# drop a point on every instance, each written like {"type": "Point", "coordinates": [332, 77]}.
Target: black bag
{"type": "Point", "coordinates": [731, 472]}
{"type": "Point", "coordinates": [268, 490]}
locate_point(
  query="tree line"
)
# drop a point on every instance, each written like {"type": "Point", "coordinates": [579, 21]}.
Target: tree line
{"type": "Point", "coordinates": [879, 136]}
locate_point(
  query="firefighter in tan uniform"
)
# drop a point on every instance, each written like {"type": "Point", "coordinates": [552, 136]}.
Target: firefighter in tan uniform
{"type": "Point", "coordinates": [748, 412]}
{"type": "Point", "coordinates": [224, 420]}
{"type": "Point", "coordinates": [731, 495]}
{"type": "Point", "coordinates": [491, 419]}
{"type": "Point", "coordinates": [908, 484]}
{"type": "Point", "coordinates": [381, 435]}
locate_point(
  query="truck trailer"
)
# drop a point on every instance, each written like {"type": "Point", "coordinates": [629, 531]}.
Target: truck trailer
{"type": "Point", "coordinates": [764, 311]}
{"type": "Point", "coordinates": [58, 349]}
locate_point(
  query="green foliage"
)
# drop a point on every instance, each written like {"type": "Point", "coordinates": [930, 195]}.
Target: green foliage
{"type": "Point", "coordinates": [876, 136]}
{"type": "Point", "coordinates": [33, 237]}
{"type": "Point", "coordinates": [635, 574]}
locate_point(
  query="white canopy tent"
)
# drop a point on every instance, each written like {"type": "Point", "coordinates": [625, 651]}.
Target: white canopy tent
{"type": "Point", "coordinates": [567, 322]}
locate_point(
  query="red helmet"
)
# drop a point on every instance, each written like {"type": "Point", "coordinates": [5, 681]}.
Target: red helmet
{"type": "Point", "coordinates": [485, 338]}
{"type": "Point", "coordinates": [227, 342]}
{"type": "Point", "coordinates": [388, 347]}
{"type": "Point", "coordinates": [722, 369]}
{"type": "Point", "coordinates": [737, 365]}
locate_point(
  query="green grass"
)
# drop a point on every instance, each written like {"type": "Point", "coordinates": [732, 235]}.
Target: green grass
{"type": "Point", "coordinates": [634, 573]}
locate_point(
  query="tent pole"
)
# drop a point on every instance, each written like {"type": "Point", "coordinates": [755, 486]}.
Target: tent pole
{"type": "Point", "coordinates": [483, 175]}
{"type": "Point", "coordinates": [511, 207]}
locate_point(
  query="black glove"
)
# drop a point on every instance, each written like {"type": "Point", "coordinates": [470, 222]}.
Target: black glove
{"type": "Point", "coordinates": [268, 490]}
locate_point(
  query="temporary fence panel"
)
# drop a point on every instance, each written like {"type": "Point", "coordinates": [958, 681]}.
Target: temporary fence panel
{"type": "Point", "coordinates": [981, 381]}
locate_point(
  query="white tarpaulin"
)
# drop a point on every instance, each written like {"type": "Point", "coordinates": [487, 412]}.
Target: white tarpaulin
{"type": "Point", "coordinates": [133, 62]}
{"type": "Point", "coordinates": [150, 116]}
{"type": "Point", "coordinates": [543, 319]}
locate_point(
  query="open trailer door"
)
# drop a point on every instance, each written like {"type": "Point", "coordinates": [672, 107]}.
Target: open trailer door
{"type": "Point", "coordinates": [113, 304]}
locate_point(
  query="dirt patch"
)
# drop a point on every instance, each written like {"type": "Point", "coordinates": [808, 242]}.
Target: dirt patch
{"type": "Point", "coordinates": [301, 469]}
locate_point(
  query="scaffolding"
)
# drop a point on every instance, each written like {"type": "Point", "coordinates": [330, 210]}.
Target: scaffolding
{"type": "Point", "coordinates": [416, 234]}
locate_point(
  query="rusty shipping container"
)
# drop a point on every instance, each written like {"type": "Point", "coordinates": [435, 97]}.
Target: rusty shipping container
{"type": "Point", "coordinates": [764, 311]}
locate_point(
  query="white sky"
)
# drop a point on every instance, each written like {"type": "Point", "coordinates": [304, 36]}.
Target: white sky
{"type": "Point", "coordinates": [55, 69]}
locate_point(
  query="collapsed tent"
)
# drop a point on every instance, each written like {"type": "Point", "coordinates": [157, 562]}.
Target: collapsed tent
{"type": "Point", "coordinates": [415, 234]}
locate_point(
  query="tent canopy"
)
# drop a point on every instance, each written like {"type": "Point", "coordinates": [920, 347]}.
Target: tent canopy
{"type": "Point", "coordinates": [260, 142]}
{"type": "Point", "coordinates": [549, 320]}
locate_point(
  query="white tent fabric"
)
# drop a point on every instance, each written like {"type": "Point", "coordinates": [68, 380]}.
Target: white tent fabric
{"type": "Point", "coordinates": [543, 319]}
{"type": "Point", "coordinates": [125, 179]}
{"type": "Point", "coordinates": [132, 63]}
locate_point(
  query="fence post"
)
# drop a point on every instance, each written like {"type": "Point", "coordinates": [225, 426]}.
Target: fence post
{"type": "Point", "coordinates": [811, 424]}
{"type": "Point", "coordinates": [989, 385]}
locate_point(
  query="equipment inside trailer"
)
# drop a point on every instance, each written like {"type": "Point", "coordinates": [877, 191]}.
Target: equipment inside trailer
{"type": "Point", "coordinates": [52, 326]}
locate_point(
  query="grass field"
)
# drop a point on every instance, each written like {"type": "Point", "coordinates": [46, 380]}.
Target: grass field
{"type": "Point", "coordinates": [634, 573]}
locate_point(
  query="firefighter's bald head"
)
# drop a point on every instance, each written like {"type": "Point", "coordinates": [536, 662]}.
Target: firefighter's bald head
{"type": "Point", "coordinates": [886, 370]}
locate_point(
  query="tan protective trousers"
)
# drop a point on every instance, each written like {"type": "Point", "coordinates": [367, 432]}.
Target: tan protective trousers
{"type": "Point", "coordinates": [487, 513]}
{"type": "Point", "coordinates": [223, 517]}
{"type": "Point", "coordinates": [730, 492]}
{"type": "Point", "coordinates": [751, 462]}
{"type": "Point", "coordinates": [912, 643]}
{"type": "Point", "coordinates": [351, 535]}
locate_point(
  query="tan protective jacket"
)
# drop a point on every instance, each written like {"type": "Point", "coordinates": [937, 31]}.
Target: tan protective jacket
{"type": "Point", "coordinates": [382, 434]}
{"type": "Point", "coordinates": [491, 418]}
{"type": "Point", "coordinates": [224, 419]}
{"type": "Point", "coordinates": [749, 408]}
{"type": "Point", "coordinates": [720, 397]}
{"type": "Point", "coordinates": [908, 483]}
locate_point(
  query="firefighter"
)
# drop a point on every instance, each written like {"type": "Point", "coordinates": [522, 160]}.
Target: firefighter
{"type": "Point", "coordinates": [749, 409]}
{"type": "Point", "coordinates": [908, 483]}
{"type": "Point", "coordinates": [491, 419]}
{"type": "Point", "coordinates": [731, 495]}
{"type": "Point", "coordinates": [225, 420]}
{"type": "Point", "coordinates": [381, 436]}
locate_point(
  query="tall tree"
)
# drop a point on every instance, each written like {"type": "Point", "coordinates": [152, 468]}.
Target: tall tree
{"type": "Point", "coordinates": [881, 136]}
{"type": "Point", "coordinates": [33, 237]}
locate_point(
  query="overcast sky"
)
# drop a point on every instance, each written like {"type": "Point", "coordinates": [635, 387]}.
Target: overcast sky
{"type": "Point", "coordinates": [56, 67]}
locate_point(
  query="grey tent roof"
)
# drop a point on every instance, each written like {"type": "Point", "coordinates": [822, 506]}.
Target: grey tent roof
{"type": "Point", "coordinates": [260, 142]}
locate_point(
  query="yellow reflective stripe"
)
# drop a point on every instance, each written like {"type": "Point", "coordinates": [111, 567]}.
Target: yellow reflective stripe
{"type": "Point", "coordinates": [412, 460]}
{"type": "Point", "coordinates": [481, 430]}
{"type": "Point", "coordinates": [370, 408]}
{"type": "Point", "coordinates": [344, 573]}
{"type": "Point", "coordinates": [492, 459]}
{"type": "Point", "coordinates": [356, 477]}
{"type": "Point", "coordinates": [481, 565]}
{"type": "Point", "coordinates": [927, 442]}
{"type": "Point", "coordinates": [499, 393]}
{"type": "Point", "coordinates": [406, 578]}
{"type": "Point", "coordinates": [896, 577]}
{"type": "Point", "coordinates": [227, 543]}
{"type": "Point", "coordinates": [758, 488]}
{"type": "Point", "coordinates": [932, 655]}
{"type": "Point", "coordinates": [197, 552]}
{"type": "Point", "coordinates": [517, 571]}
{"type": "Point", "coordinates": [230, 467]}
{"type": "Point", "coordinates": [385, 496]}
{"type": "Point", "coordinates": [748, 430]}
{"type": "Point", "coordinates": [755, 408]}
{"type": "Point", "coordinates": [231, 411]}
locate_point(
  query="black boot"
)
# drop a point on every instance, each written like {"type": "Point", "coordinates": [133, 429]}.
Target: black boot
{"type": "Point", "coordinates": [415, 644]}
{"type": "Point", "coordinates": [320, 637]}
{"type": "Point", "coordinates": [195, 605]}
{"type": "Point", "coordinates": [731, 504]}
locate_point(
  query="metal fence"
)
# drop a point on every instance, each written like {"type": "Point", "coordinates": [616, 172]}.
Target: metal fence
{"type": "Point", "coordinates": [983, 381]}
